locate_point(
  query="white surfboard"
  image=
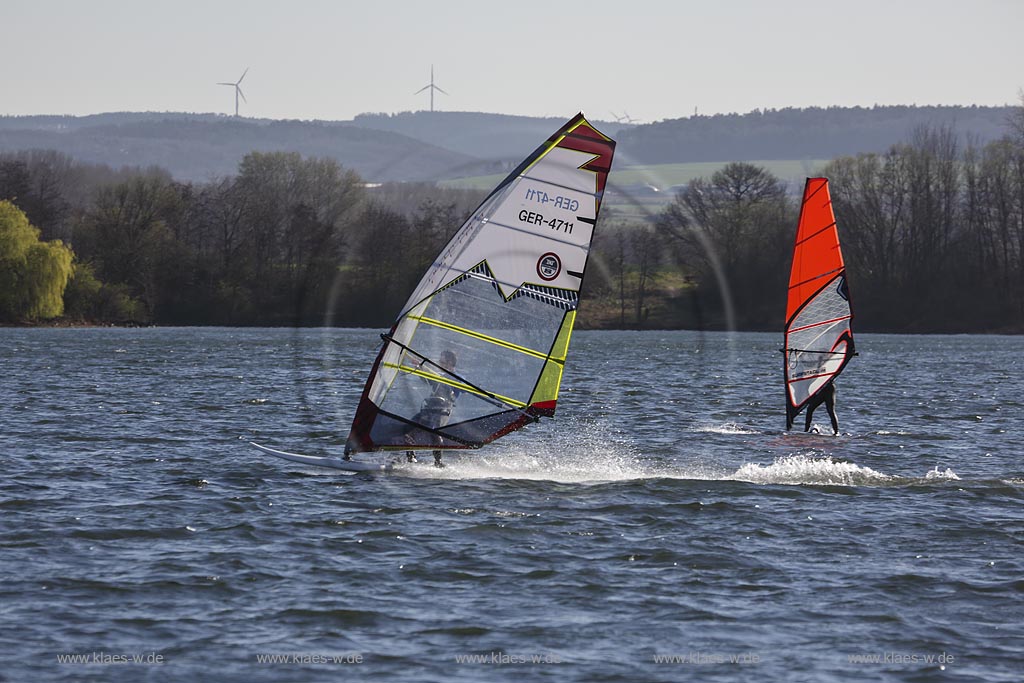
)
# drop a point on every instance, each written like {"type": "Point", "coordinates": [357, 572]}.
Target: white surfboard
{"type": "Point", "coordinates": [320, 461]}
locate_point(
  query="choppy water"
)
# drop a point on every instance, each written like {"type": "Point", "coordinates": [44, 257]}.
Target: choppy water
{"type": "Point", "coordinates": [664, 514]}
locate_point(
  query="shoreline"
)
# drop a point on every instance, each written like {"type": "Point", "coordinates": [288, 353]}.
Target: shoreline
{"type": "Point", "coordinates": [1012, 331]}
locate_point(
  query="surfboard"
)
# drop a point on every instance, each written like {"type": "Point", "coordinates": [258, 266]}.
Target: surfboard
{"type": "Point", "coordinates": [322, 461]}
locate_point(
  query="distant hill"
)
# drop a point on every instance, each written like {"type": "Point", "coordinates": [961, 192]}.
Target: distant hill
{"type": "Point", "coordinates": [813, 133]}
{"type": "Point", "coordinates": [200, 147]}
{"type": "Point", "coordinates": [487, 136]}
{"type": "Point", "coordinates": [431, 146]}
{"type": "Point", "coordinates": [64, 122]}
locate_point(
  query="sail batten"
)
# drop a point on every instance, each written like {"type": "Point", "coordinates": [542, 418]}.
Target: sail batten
{"type": "Point", "coordinates": [830, 226]}
{"type": "Point", "coordinates": [815, 278]}
{"type": "Point", "coordinates": [818, 341]}
{"type": "Point", "coordinates": [818, 324]}
{"type": "Point", "coordinates": [484, 337]}
{"type": "Point", "coordinates": [547, 237]}
{"type": "Point", "coordinates": [479, 348]}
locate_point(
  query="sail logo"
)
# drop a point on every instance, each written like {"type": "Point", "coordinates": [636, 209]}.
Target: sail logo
{"type": "Point", "coordinates": [549, 266]}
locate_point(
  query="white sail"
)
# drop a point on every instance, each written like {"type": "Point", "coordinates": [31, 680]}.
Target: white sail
{"type": "Point", "coordinates": [479, 348]}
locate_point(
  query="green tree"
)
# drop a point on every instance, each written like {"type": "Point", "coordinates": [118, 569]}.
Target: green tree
{"type": "Point", "coordinates": [128, 234]}
{"type": "Point", "coordinates": [297, 213]}
{"type": "Point", "coordinates": [736, 230]}
{"type": "Point", "coordinates": [33, 274]}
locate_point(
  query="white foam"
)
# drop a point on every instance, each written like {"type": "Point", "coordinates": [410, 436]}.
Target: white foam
{"type": "Point", "coordinates": [803, 469]}
{"type": "Point", "coordinates": [584, 452]}
{"type": "Point", "coordinates": [573, 453]}
{"type": "Point", "coordinates": [727, 428]}
{"type": "Point", "coordinates": [942, 474]}
{"type": "Point", "coordinates": [589, 469]}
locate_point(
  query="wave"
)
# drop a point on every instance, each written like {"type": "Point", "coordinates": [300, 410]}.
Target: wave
{"type": "Point", "coordinates": [803, 469]}
{"type": "Point", "coordinates": [942, 474]}
{"type": "Point", "coordinates": [581, 467]}
{"type": "Point", "coordinates": [727, 428]}
{"type": "Point", "coordinates": [610, 466]}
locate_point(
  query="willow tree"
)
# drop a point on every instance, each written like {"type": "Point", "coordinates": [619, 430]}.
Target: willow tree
{"type": "Point", "coordinates": [33, 274]}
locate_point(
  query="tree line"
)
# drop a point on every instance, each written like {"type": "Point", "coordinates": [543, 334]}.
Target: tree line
{"type": "Point", "coordinates": [795, 133]}
{"type": "Point", "coordinates": [288, 240]}
{"type": "Point", "coordinates": [932, 230]}
{"type": "Point", "coordinates": [932, 235]}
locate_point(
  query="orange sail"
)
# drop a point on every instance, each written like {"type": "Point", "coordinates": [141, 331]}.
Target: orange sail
{"type": "Point", "coordinates": [818, 337]}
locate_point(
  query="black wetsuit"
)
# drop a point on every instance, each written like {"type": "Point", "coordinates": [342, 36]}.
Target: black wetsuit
{"type": "Point", "coordinates": [435, 413]}
{"type": "Point", "coordinates": [828, 397]}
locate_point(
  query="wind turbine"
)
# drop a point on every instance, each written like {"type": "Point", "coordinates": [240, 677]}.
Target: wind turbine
{"type": "Point", "coordinates": [238, 90]}
{"type": "Point", "coordinates": [431, 87]}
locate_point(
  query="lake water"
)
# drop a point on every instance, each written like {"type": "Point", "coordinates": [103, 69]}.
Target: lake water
{"type": "Point", "coordinates": [662, 527]}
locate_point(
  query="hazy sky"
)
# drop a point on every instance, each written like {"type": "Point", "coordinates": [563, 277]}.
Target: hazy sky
{"type": "Point", "coordinates": [655, 59]}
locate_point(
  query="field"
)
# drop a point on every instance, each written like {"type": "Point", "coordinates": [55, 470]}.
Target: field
{"type": "Point", "coordinates": [641, 191]}
{"type": "Point", "coordinates": [664, 177]}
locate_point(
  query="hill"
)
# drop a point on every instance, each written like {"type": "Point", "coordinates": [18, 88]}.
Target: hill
{"type": "Point", "coordinates": [812, 133]}
{"type": "Point", "coordinates": [431, 146]}
{"type": "Point", "coordinates": [198, 148]}
{"type": "Point", "coordinates": [487, 136]}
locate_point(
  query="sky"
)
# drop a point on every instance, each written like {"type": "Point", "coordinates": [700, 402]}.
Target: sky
{"type": "Point", "coordinates": [648, 59]}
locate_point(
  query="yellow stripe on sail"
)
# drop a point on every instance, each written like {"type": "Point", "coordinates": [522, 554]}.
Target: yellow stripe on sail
{"type": "Point", "coordinates": [487, 338]}
{"type": "Point", "coordinates": [461, 386]}
{"type": "Point", "coordinates": [551, 376]}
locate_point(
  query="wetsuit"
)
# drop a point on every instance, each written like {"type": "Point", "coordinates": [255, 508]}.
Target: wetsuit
{"type": "Point", "coordinates": [828, 397]}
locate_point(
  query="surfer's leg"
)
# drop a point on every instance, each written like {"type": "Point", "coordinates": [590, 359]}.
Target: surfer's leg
{"type": "Point", "coordinates": [410, 457]}
{"type": "Point", "coordinates": [830, 405]}
{"type": "Point", "coordinates": [810, 412]}
{"type": "Point", "coordinates": [437, 459]}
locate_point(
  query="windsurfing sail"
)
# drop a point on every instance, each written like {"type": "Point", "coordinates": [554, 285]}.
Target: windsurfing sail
{"type": "Point", "coordinates": [479, 348]}
{"type": "Point", "coordinates": [818, 337]}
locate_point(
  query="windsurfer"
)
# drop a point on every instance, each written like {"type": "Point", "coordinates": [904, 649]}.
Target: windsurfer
{"type": "Point", "coordinates": [436, 410]}
{"type": "Point", "coordinates": [827, 396]}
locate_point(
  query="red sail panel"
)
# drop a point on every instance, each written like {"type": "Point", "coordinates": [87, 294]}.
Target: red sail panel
{"type": "Point", "coordinates": [816, 253]}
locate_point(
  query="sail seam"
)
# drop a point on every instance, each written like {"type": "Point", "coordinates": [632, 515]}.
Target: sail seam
{"type": "Point", "coordinates": [803, 379]}
{"type": "Point", "coordinates": [482, 337]}
{"type": "Point", "coordinates": [457, 385]}
{"type": "Point", "coordinates": [477, 390]}
{"type": "Point", "coordinates": [536, 234]}
{"type": "Point", "coordinates": [816, 233]}
{"type": "Point", "coordinates": [820, 187]}
{"type": "Point", "coordinates": [828, 353]}
{"type": "Point", "coordinates": [817, 277]}
{"type": "Point", "coordinates": [819, 324]}
{"type": "Point", "coordinates": [595, 194]}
